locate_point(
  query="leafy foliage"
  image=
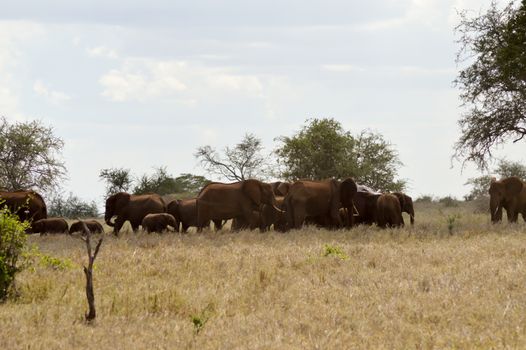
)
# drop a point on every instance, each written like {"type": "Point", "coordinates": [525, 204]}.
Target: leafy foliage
{"type": "Point", "coordinates": [12, 245]}
{"type": "Point", "coordinates": [71, 207]}
{"type": "Point", "coordinates": [117, 180]}
{"type": "Point", "coordinates": [160, 182]}
{"type": "Point", "coordinates": [323, 149]}
{"type": "Point", "coordinates": [189, 183]}
{"type": "Point", "coordinates": [377, 162]}
{"type": "Point", "coordinates": [244, 161]}
{"type": "Point", "coordinates": [29, 156]}
{"type": "Point", "coordinates": [493, 85]}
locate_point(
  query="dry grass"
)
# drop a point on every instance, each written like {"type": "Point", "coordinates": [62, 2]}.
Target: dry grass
{"type": "Point", "coordinates": [419, 287]}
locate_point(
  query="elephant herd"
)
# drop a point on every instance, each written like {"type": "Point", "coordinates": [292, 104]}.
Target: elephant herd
{"type": "Point", "coordinates": [254, 204]}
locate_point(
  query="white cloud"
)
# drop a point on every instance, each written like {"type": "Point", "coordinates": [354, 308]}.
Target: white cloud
{"type": "Point", "coordinates": [149, 79]}
{"type": "Point", "coordinates": [102, 51]}
{"type": "Point", "coordinates": [55, 97]}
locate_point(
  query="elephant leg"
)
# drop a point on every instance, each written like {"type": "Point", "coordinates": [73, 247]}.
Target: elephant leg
{"type": "Point", "coordinates": [202, 217]}
{"type": "Point", "coordinates": [298, 216]}
{"type": "Point", "coordinates": [218, 224]}
{"type": "Point", "coordinates": [135, 226]}
{"type": "Point", "coordinates": [184, 227]}
{"type": "Point", "coordinates": [118, 225]}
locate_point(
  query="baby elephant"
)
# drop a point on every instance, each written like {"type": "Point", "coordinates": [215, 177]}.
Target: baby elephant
{"type": "Point", "coordinates": [93, 225]}
{"type": "Point", "coordinates": [50, 225]}
{"type": "Point", "coordinates": [158, 222]}
{"type": "Point", "coordinates": [389, 212]}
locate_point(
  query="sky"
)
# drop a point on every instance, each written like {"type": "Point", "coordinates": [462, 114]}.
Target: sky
{"type": "Point", "coordinates": [142, 84]}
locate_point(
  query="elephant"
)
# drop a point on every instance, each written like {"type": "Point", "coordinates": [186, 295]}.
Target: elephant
{"type": "Point", "coordinates": [319, 202]}
{"type": "Point", "coordinates": [93, 225]}
{"type": "Point", "coordinates": [27, 205]}
{"type": "Point", "coordinates": [406, 203]}
{"type": "Point", "coordinates": [49, 225]}
{"type": "Point", "coordinates": [389, 211]}
{"type": "Point", "coordinates": [508, 193]}
{"type": "Point", "coordinates": [159, 222]}
{"type": "Point", "coordinates": [185, 213]}
{"type": "Point", "coordinates": [131, 207]}
{"type": "Point", "coordinates": [220, 201]}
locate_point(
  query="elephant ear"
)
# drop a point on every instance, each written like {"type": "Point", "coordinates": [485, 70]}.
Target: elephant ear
{"type": "Point", "coordinates": [513, 186]}
{"type": "Point", "coordinates": [252, 189]}
{"type": "Point", "coordinates": [283, 188]}
{"type": "Point", "coordinates": [401, 199]}
{"type": "Point", "coordinates": [348, 190]}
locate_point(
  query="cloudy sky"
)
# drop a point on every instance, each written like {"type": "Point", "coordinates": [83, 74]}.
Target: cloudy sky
{"type": "Point", "coordinates": [139, 84]}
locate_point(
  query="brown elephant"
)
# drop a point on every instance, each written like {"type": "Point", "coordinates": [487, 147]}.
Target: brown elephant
{"type": "Point", "coordinates": [158, 222]}
{"type": "Point", "coordinates": [389, 211]}
{"type": "Point", "coordinates": [93, 225]}
{"type": "Point", "coordinates": [219, 201]}
{"type": "Point", "coordinates": [319, 201]}
{"type": "Point", "coordinates": [406, 203]}
{"type": "Point", "coordinates": [49, 225]}
{"type": "Point", "coordinates": [185, 213]}
{"type": "Point", "coordinates": [508, 193]}
{"type": "Point", "coordinates": [27, 205]}
{"type": "Point", "coordinates": [133, 208]}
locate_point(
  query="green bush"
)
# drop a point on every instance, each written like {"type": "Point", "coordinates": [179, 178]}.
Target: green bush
{"type": "Point", "coordinates": [12, 245]}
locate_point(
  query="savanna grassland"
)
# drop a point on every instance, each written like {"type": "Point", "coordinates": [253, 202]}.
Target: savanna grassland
{"type": "Point", "coordinates": [452, 281]}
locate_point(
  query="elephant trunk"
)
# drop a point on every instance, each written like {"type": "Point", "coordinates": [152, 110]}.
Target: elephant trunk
{"type": "Point", "coordinates": [107, 219]}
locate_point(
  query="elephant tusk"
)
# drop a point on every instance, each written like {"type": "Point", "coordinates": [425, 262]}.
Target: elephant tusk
{"type": "Point", "coordinates": [355, 211]}
{"type": "Point", "coordinates": [278, 210]}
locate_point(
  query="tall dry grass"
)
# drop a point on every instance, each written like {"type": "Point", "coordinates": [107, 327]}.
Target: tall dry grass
{"type": "Point", "coordinates": [430, 286]}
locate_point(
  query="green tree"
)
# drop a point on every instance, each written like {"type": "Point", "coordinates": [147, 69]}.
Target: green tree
{"type": "Point", "coordinates": [189, 183]}
{"type": "Point", "coordinates": [377, 162]}
{"type": "Point", "coordinates": [12, 245]}
{"type": "Point", "coordinates": [493, 84]}
{"type": "Point", "coordinates": [30, 156]}
{"type": "Point", "coordinates": [159, 182]}
{"type": "Point", "coordinates": [243, 161]}
{"type": "Point", "coordinates": [323, 149]}
{"type": "Point", "coordinates": [117, 180]}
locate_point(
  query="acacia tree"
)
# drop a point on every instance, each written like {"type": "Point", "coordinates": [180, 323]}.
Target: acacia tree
{"type": "Point", "coordinates": [30, 156]}
{"type": "Point", "coordinates": [243, 161]}
{"type": "Point", "coordinates": [322, 149]}
{"type": "Point", "coordinates": [493, 84]}
{"type": "Point", "coordinates": [117, 180]}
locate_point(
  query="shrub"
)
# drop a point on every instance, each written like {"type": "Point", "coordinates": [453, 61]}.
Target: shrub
{"type": "Point", "coordinates": [71, 207]}
{"type": "Point", "coordinates": [424, 199]}
{"type": "Point", "coordinates": [12, 245]}
{"type": "Point", "coordinates": [330, 250]}
{"type": "Point", "coordinates": [449, 201]}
